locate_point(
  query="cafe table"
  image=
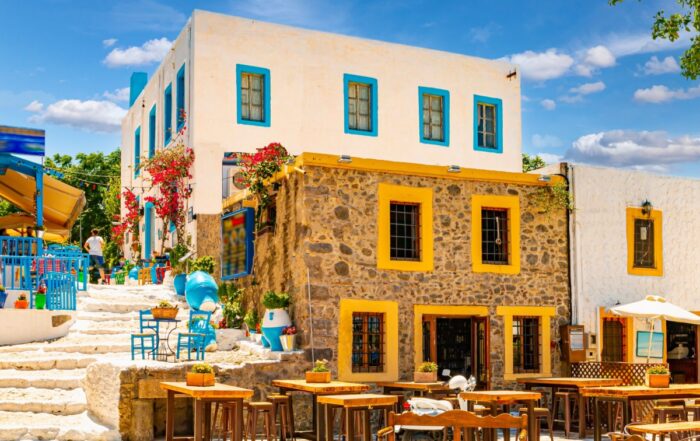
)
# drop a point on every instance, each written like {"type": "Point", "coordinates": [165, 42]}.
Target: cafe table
{"type": "Point", "coordinates": [497, 398]}
{"type": "Point", "coordinates": [556, 383]}
{"type": "Point", "coordinates": [661, 429]}
{"type": "Point", "coordinates": [315, 390]}
{"type": "Point", "coordinates": [420, 389]}
{"type": "Point", "coordinates": [625, 395]}
{"type": "Point", "coordinates": [352, 403]}
{"type": "Point", "coordinates": [203, 399]}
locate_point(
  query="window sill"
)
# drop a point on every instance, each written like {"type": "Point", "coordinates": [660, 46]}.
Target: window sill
{"type": "Point", "coordinates": [479, 267]}
{"type": "Point", "coordinates": [349, 131]}
{"type": "Point", "coordinates": [248, 122]}
{"type": "Point", "coordinates": [496, 150]}
{"type": "Point", "coordinates": [657, 272]}
{"type": "Point", "coordinates": [445, 143]}
{"type": "Point", "coordinates": [405, 265]}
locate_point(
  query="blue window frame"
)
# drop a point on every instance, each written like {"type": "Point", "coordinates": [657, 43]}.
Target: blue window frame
{"type": "Point", "coordinates": [360, 104]}
{"type": "Point", "coordinates": [253, 95]}
{"type": "Point", "coordinates": [180, 117]}
{"type": "Point", "coordinates": [237, 239]}
{"type": "Point", "coordinates": [168, 115]}
{"type": "Point", "coordinates": [148, 230]}
{"type": "Point", "coordinates": [152, 132]}
{"type": "Point", "coordinates": [137, 151]}
{"type": "Point", "coordinates": [488, 124]}
{"type": "Point", "coordinates": [434, 116]}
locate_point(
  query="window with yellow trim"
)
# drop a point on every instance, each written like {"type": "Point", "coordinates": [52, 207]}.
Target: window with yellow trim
{"type": "Point", "coordinates": [526, 344]}
{"type": "Point", "coordinates": [405, 228]}
{"type": "Point", "coordinates": [614, 339]}
{"type": "Point", "coordinates": [367, 342]}
{"type": "Point", "coordinates": [644, 242]}
{"type": "Point", "coordinates": [527, 338]}
{"type": "Point", "coordinates": [496, 234]}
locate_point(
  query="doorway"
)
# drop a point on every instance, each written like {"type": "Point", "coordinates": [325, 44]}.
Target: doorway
{"type": "Point", "coordinates": [458, 344]}
{"type": "Point", "coordinates": [682, 349]}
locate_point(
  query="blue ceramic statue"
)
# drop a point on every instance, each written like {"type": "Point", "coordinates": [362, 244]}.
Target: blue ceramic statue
{"type": "Point", "coordinates": [201, 293]}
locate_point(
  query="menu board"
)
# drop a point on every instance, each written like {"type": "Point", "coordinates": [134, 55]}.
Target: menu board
{"type": "Point", "coordinates": [237, 238]}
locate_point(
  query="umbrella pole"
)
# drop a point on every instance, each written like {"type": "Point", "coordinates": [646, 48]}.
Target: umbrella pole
{"type": "Point", "coordinates": [651, 335]}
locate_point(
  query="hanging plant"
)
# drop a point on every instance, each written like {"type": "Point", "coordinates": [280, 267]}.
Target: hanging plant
{"type": "Point", "coordinates": [130, 222]}
{"type": "Point", "coordinates": [555, 197]}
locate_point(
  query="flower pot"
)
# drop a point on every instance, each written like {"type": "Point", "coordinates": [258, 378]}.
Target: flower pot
{"type": "Point", "coordinates": [201, 380]}
{"type": "Point", "coordinates": [3, 298]}
{"type": "Point", "coordinates": [318, 377]}
{"type": "Point", "coordinates": [226, 338]}
{"type": "Point", "coordinates": [287, 342]}
{"type": "Point", "coordinates": [658, 380]}
{"type": "Point", "coordinates": [256, 336]}
{"type": "Point", "coordinates": [39, 301]}
{"type": "Point", "coordinates": [425, 377]}
{"type": "Point", "coordinates": [21, 304]}
{"type": "Point", "coordinates": [274, 322]}
{"type": "Point", "coordinates": [180, 281]}
{"type": "Point", "coordinates": [164, 313]}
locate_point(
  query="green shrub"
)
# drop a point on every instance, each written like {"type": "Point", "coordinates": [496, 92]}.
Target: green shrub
{"type": "Point", "coordinates": [251, 319]}
{"type": "Point", "coordinates": [202, 368]}
{"type": "Point", "coordinates": [658, 370]}
{"type": "Point", "coordinates": [166, 304]}
{"type": "Point", "coordinates": [427, 366]}
{"type": "Point", "coordinates": [273, 300]}
{"type": "Point", "coordinates": [320, 366]}
{"type": "Point", "coordinates": [204, 263]}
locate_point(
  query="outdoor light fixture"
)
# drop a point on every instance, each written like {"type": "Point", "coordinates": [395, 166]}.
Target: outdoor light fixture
{"type": "Point", "coordinates": [544, 178]}
{"type": "Point", "coordinates": [345, 159]}
{"type": "Point", "coordinates": [454, 169]}
{"type": "Point", "coordinates": [646, 207]}
{"type": "Point", "coordinates": [40, 234]}
{"type": "Point", "coordinates": [291, 160]}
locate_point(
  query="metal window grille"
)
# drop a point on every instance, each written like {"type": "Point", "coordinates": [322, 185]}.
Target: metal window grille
{"type": "Point", "coordinates": [368, 342]}
{"type": "Point", "coordinates": [644, 243]}
{"type": "Point", "coordinates": [494, 236]}
{"type": "Point", "coordinates": [404, 219]}
{"type": "Point", "coordinates": [526, 344]}
{"type": "Point", "coordinates": [359, 106]}
{"type": "Point", "coordinates": [433, 117]}
{"type": "Point", "coordinates": [487, 125]}
{"type": "Point", "coordinates": [613, 339]}
{"type": "Point", "coordinates": [252, 94]}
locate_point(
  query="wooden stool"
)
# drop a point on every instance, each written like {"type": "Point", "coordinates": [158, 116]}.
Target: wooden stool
{"type": "Point", "coordinates": [228, 412]}
{"type": "Point", "coordinates": [564, 397]}
{"type": "Point", "coordinates": [541, 413]}
{"type": "Point", "coordinates": [694, 410]}
{"type": "Point", "coordinates": [281, 405]}
{"type": "Point", "coordinates": [254, 409]}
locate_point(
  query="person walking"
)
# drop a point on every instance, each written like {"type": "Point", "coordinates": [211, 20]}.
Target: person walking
{"type": "Point", "coordinates": [94, 246]}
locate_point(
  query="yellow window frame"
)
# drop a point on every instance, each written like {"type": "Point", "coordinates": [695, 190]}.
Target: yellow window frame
{"type": "Point", "coordinates": [629, 334]}
{"type": "Point", "coordinates": [391, 340]}
{"type": "Point", "coordinates": [512, 204]}
{"type": "Point", "coordinates": [544, 313]}
{"type": "Point", "coordinates": [655, 216]}
{"type": "Point", "coordinates": [423, 196]}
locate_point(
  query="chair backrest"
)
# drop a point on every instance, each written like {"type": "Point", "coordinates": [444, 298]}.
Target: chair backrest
{"type": "Point", "coordinates": [146, 320]}
{"type": "Point", "coordinates": [199, 320]}
{"type": "Point", "coordinates": [60, 291]}
{"type": "Point", "coordinates": [459, 420]}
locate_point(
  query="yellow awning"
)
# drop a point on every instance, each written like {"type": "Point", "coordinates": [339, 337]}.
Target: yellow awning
{"type": "Point", "coordinates": [62, 203]}
{"type": "Point", "coordinates": [16, 224]}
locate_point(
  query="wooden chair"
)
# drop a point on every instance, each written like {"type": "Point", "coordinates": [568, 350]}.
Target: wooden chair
{"type": "Point", "coordinates": [457, 420]}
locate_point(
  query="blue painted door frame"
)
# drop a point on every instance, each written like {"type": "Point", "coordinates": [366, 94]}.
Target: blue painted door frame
{"type": "Point", "coordinates": [148, 230]}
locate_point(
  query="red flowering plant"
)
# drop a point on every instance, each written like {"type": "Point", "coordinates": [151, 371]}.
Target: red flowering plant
{"type": "Point", "coordinates": [259, 167]}
{"type": "Point", "coordinates": [130, 221]}
{"type": "Point", "coordinates": [289, 330]}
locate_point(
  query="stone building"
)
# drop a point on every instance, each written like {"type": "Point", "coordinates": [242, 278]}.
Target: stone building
{"type": "Point", "coordinates": [390, 264]}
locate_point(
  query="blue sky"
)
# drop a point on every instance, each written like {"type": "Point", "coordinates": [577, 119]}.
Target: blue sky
{"type": "Point", "coordinates": [596, 88]}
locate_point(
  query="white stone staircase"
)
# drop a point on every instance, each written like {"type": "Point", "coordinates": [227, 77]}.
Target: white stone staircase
{"type": "Point", "coordinates": [41, 384]}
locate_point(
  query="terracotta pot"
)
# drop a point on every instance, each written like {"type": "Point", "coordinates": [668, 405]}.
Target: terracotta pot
{"type": "Point", "coordinates": [318, 377]}
{"type": "Point", "coordinates": [21, 304]}
{"type": "Point", "coordinates": [658, 380]}
{"type": "Point", "coordinates": [201, 380]}
{"type": "Point", "coordinates": [425, 377]}
{"type": "Point", "coordinates": [164, 313]}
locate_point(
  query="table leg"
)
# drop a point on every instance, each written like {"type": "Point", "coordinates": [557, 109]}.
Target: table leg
{"type": "Point", "coordinates": [367, 432]}
{"type": "Point", "coordinates": [238, 421]}
{"type": "Point", "coordinates": [320, 421]}
{"type": "Point", "coordinates": [596, 419]}
{"type": "Point", "coordinates": [531, 421]}
{"type": "Point", "coordinates": [198, 417]}
{"type": "Point", "coordinates": [581, 415]}
{"type": "Point", "coordinates": [625, 412]}
{"type": "Point", "coordinates": [349, 424]}
{"type": "Point", "coordinates": [207, 420]}
{"type": "Point", "coordinates": [170, 416]}
{"type": "Point", "coordinates": [328, 413]}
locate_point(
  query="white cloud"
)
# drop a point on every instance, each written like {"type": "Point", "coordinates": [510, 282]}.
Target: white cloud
{"type": "Point", "coordinates": [548, 104]}
{"type": "Point", "coordinates": [550, 158]}
{"type": "Point", "coordinates": [152, 51]}
{"type": "Point", "coordinates": [545, 141]}
{"type": "Point", "coordinates": [644, 150]}
{"type": "Point", "coordinates": [541, 66]}
{"type": "Point", "coordinates": [588, 88]}
{"type": "Point", "coordinates": [109, 42]}
{"type": "Point", "coordinates": [599, 56]}
{"type": "Point", "coordinates": [623, 45]}
{"type": "Point", "coordinates": [658, 67]}
{"type": "Point", "coordinates": [90, 115]}
{"type": "Point", "coordinates": [661, 94]}
{"type": "Point", "coordinates": [117, 94]}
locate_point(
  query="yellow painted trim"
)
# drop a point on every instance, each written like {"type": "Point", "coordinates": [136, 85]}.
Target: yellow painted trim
{"type": "Point", "coordinates": [544, 312]}
{"type": "Point", "coordinates": [443, 310]}
{"type": "Point", "coordinates": [512, 203]}
{"type": "Point", "coordinates": [391, 342]}
{"type": "Point", "coordinates": [658, 270]}
{"type": "Point", "coordinates": [388, 193]}
{"type": "Point", "coordinates": [629, 334]}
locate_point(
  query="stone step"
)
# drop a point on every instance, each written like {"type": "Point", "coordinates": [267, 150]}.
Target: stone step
{"type": "Point", "coordinates": [104, 327]}
{"type": "Point", "coordinates": [32, 399]}
{"type": "Point", "coordinates": [106, 316]}
{"type": "Point", "coordinates": [37, 360]}
{"type": "Point", "coordinates": [107, 330]}
{"type": "Point", "coordinates": [75, 343]}
{"type": "Point", "coordinates": [115, 306]}
{"type": "Point", "coordinates": [50, 379]}
{"type": "Point", "coordinates": [46, 426]}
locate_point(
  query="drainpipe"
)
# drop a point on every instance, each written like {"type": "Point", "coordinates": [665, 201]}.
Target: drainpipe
{"type": "Point", "coordinates": [566, 172]}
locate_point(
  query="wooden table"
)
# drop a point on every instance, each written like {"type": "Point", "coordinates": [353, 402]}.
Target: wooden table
{"type": "Point", "coordinates": [665, 428]}
{"type": "Point", "coordinates": [392, 386]}
{"type": "Point", "coordinates": [554, 383]}
{"type": "Point", "coordinates": [203, 398]}
{"type": "Point", "coordinates": [627, 394]}
{"type": "Point", "coordinates": [496, 398]}
{"type": "Point", "coordinates": [316, 390]}
{"type": "Point", "coordinates": [350, 404]}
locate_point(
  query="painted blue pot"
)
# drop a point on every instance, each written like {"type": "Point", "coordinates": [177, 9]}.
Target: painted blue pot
{"type": "Point", "coordinates": [134, 273]}
{"type": "Point", "coordinates": [180, 281]}
{"type": "Point", "coordinates": [3, 298]}
{"type": "Point", "coordinates": [274, 322]}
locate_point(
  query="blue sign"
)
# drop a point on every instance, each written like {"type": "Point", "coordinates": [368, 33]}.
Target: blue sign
{"type": "Point", "coordinates": [22, 141]}
{"type": "Point", "coordinates": [657, 344]}
{"type": "Point", "coordinates": [237, 237]}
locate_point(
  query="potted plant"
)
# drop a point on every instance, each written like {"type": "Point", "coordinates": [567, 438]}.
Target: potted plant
{"type": "Point", "coordinates": [275, 319]}
{"type": "Point", "coordinates": [3, 296]}
{"type": "Point", "coordinates": [252, 322]}
{"type": "Point", "coordinates": [287, 338]}
{"type": "Point", "coordinates": [230, 327]}
{"type": "Point", "coordinates": [21, 302]}
{"type": "Point", "coordinates": [658, 376]}
{"type": "Point", "coordinates": [164, 310]}
{"type": "Point", "coordinates": [40, 230]}
{"type": "Point", "coordinates": [319, 373]}
{"type": "Point", "coordinates": [40, 296]}
{"type": "Point", "coordinates": [201, 375]}
{"type": "Point", "coordinates": [178, 268]}
{"type": "Point", "coordinates": [426, 372]}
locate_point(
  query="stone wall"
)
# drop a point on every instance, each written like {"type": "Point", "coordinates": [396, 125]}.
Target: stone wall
{"type": "Point", "coordinates": [208, 239]}
{"type": "Point", "coordinates": [328, 226]}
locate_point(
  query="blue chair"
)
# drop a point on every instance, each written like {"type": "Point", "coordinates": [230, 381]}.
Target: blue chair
{"type": "Point", "coordinates": [194, 339]}
{"type": "Point", "coordinates": [147, 337]}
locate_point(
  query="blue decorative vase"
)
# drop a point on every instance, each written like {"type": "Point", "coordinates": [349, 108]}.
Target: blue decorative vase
{"type": "Point", "coordinates": [201, 291]}
{"type": "Point", "coordinates": [179, 281]}
{"type": "Point", "coordinates": [274, 322]}
{"type": "Point", "coordinates": [3, 297]}
{"type": "Point", "coordinates": [134, 273]}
